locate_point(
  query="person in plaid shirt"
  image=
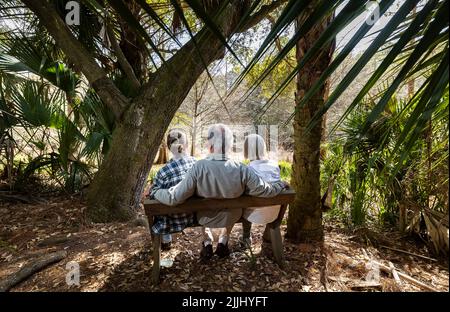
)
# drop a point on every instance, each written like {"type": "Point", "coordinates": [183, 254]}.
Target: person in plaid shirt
{"type": "Point", "coordinates": [170, 175]}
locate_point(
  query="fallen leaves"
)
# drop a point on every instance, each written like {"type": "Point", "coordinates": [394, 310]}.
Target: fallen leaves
{"type": "Point", "coordinates": [117, 257]}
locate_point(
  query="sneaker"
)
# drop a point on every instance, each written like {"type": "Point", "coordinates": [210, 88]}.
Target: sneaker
{"type": "Point", "coordinates": [222, 250]}
{"type": "Point", "coordinates": [207, 252]}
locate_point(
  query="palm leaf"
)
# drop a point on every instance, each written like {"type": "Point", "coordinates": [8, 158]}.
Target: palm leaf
{"type": "Point", "coordinates": [341, 21]}
{"type": "Point", "coordinates": [148, 9]}
{"type": "Point", "coordinates": [198, 9]}
{"type": "Point", "coordinates": [393, 23]}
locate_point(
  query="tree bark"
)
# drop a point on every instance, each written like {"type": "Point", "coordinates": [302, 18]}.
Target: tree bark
{"type": "Point", "coordinates": [305, 215]}
{"type": "Point", "coordinates": [121, 58]}
{"type": "Point", "coordinates": [116, 190]}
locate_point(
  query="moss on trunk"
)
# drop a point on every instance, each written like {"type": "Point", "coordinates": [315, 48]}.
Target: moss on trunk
{"type": "Point", "coordinates": [305, 215]}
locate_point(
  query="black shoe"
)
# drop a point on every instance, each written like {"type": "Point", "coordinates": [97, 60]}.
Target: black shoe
{"type": "Point", "coordinates": [206, 253]}
{"type": "Point", "coordinates": [166, 246]}
{"type": "Point", "coordinates": [222, 250]}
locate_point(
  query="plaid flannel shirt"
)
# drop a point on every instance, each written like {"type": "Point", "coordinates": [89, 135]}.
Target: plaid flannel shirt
{"type": "Point", "coordinates": [170, 175]}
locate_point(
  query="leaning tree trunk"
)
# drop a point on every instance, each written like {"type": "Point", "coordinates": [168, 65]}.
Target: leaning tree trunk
{"type": "Point", "coordinates": [116, 190]}
{"type": "Point", "coordinates": [305, 215]}
{"type": "Point", "coordinates": [141, 122]}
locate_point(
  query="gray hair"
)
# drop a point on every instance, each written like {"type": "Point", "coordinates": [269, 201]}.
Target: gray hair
{"type": "Point", "coordinates": [220, 138]}
{"type": "Point", "coordinates": [254, 147]}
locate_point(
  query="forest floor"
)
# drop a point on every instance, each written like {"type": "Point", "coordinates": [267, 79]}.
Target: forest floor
{"type": "Point", "coordinates": [117, 257]}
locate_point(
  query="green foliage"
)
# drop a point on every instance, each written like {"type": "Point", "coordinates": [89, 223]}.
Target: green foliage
{"type": "Point", "coordinates": [372, 180]}
{"type": "Point", "coordinates": [48, 114]}
{"type": "Point", "coordinates": [386, 152]}
{"type": "Point", "coordinates": [285, 170]}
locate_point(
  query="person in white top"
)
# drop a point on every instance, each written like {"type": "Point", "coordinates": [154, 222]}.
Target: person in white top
{"type": "Point", "coordinates": [269, 171]}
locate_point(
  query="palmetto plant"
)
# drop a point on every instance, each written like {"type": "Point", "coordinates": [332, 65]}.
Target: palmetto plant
{"type": "Point", "coordinates": [41, 106]}
{"type": "Point", "coordinates": [369, 185]}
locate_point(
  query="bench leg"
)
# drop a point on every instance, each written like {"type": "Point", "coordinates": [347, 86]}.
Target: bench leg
{"type": "Point", "coordinates": [277, 245]}
{"type": "Point", "coordinates": [156, 244]}
{"type": "Point", "coordinates": [266, 235]}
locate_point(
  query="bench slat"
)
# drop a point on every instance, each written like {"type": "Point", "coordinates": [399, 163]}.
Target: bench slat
{"type": "Point", "coordinates": [193, 204]}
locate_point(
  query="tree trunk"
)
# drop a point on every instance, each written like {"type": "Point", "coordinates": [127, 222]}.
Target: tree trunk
{"type": "Point", "coordinates": [116, 190]}
{"type": "Point", "coordinates": [141, 122]}
{"type": "Point", "coordinates": [305, 215]}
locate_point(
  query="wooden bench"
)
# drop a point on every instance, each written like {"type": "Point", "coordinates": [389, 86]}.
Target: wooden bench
{"type": "Point", "coordinates": [195, 204]}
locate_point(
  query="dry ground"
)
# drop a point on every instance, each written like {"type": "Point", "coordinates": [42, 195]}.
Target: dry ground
{"type": "Point", "coordinates": [117, 257]}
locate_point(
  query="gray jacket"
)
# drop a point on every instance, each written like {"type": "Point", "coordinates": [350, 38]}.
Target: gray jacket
{"type": "Point", "coordinates": [218, 177]}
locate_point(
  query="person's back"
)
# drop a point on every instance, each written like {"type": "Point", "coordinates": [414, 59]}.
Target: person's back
{"type": "Point", "coordinates": [269, 171]}
{"type": "Point", "coordinates": [170, 175]}
{"type": "Point", "coordinates": [217, 178]}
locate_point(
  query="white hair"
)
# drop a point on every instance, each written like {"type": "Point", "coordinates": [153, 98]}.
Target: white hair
{"type": "Point", "coordinates": [254, 147]}
{"type": "Point", "coordinates": [220, 139]}
{"type": "Point", "coordinates": [177, 142]}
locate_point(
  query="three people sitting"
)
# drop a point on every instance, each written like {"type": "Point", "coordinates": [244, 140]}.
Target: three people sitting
{"type": "Point", "coordinates": [218, 176]}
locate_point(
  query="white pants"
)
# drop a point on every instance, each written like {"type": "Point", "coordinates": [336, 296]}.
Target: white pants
{"type": "Point", "coordinates": [261, 215]}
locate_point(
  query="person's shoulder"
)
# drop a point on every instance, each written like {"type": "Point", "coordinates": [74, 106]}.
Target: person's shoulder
{"type": "Point", "coordinates": [237, 162]}
{"type": "Point", "coordinates": [162, 172]}
{"type": "Point", "coordinates": [200, 165]}
{"type": "Point", "coordinates": [273, 163]}
{"type": "Point", "coordinates": [173, 163]}
{"type": "Point", "coordinates": [189, 163]}
{"type": "Point", "coordinates": [202, 162]}
{"type": "Point", "coordinates": [190, 159]}
{"type": "Point", "coordinates": [262, 163]}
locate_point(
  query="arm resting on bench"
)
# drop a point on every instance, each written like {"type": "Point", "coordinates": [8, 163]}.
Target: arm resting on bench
{"type": "Point", "coordinates": [193, 204]}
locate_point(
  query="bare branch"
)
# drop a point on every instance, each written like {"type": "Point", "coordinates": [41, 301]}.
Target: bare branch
{"type": "Point", "coordinates": [128, 70]}
{"type": "Point", "coordinates": [278, 43]}
{"type": "Point", "coordinates": [261, 14]}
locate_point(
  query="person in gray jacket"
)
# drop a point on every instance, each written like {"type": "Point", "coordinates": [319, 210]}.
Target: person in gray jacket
{"type": "Point", "coordinates": [217, 176]}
